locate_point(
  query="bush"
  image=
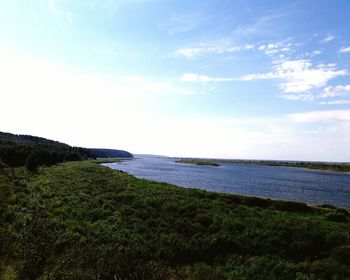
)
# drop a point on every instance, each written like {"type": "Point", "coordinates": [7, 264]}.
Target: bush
{"type": "Point", "coordinates": [32, 163]}
{"type": "Point", "coordinates": [342, 254]}
{"type": "Point", "coordinates": [256, 201]}
{"type": "Point", "coordinates": [72, 157]}
{"type": "Point", "coordinates": [337, 217]}
{"type": "Point", "coordinates": [291, 206]}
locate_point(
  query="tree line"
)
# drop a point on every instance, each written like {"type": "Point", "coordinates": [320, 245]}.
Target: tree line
{"type": "Point", "coordinates": [32, 151]}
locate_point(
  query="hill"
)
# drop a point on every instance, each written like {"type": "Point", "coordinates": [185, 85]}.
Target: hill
{"type": "Point", "coordinates": [110, 153]}
{"type": "Point", "coordinates": [33, 151]}
{"type": "Point", "coordinates": [80, 220]}
{"type": "Point", "coordinates": [16, 150]}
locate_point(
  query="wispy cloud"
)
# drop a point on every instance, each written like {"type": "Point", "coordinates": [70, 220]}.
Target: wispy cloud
{"type": "Point", "coordinates": [277, 49]}
{"type": "Point", "coordinates": [330, 92]}
{"type": "Point", "coordinates": [300, 75]}
{"type": "Point", "coordinates": [261, 26]}
{"type": "Point", "coordinates": [345, 50]}
{"type": "Point", "coordinates": [184, 22]}
{"type": "Point", "coordinates": [328, 38]}
{"type": "Point", "coordinates": [339, 95]}
{"type": "Point", "coordinates": [322, 116]}
{"type": "Point", "coordinates": [111, 7]}
{"type": "Point", "coordinates": [53, 8]}
{"type": "Point", "coordinates": [335, 91]}
{"type": "Point", "coordinates": [192, 77]}
{"type": "Point", "coordinates": [140, 84]}
{"type": "Point", "coordinates": [218, 48]}
{"type": "Point", "coordinates": [336, 102]}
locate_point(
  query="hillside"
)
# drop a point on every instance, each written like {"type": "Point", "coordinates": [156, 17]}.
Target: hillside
{"type": "Point", "coordinates": [110, 153]}
{"type": "Point", "coordinates": [80, 220]}
{"type": "Point", "coordinates": [15, 150]}
{"type": "Point", "coordinates": [32, 151]}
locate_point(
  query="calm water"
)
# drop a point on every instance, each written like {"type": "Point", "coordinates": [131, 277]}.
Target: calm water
{"type": "Point", "coordinates": [310, 186]}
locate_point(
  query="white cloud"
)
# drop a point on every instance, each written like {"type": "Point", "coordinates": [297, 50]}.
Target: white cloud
{"type": "Point", "coordinates": [95, 111]}
{"type": "Point", "coordinates": [277, 48]}
{"type": "Point", "coordinates": [322, 116]}
{"type": "Point", "coordinates": [111, 5]}
{"type": "Point", "coordinates": [141, 85]}
{"type": "Point", "coordinates": [182, 23]}
{"type": "Point", "coordinates": [192, 77]}
{"type": "Point", "coordinates": [53, 8]}
{"type": "Point", "coordinates": [336, 102]}
{"type": "Point", "coordinates": [262, 26]}
{"type": "Point", "coordinates": [345, 50]}
{"type": "Point", "coordinates": [299, 75]}
{"type": "Point", "coordinates": [219, 48]}
{"type": "Point", "coordinates": [54, 99]}
{"type": "Point", "coordinates": [335, 91]}
{"type": "Point", "coordinates": [328, 38]}
{"type": "Point", "coordinates": [257, 76]}
{"type": "Point", "coordinates": [297, 97]}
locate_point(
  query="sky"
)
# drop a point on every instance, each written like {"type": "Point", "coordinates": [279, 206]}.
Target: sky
{"type": "Point", "coordinates": [258, 79]}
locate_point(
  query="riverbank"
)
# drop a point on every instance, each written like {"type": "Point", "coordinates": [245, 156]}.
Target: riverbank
{"type": "Point", "coordinates": [334, 167]}
{"type": "Point", "coordinates": [197, 162]}
{"type": "Point", "coordinates": [80, 220]}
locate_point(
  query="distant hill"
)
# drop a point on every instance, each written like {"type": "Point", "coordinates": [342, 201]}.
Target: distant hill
{"type": "Point", "coordinates": [16, 150]}
{"type": "Point", "coordinates": [110, 153]}
{"type": "Point", "coordinates": [32, 151]}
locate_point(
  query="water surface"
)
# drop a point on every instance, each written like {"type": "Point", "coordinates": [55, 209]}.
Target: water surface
{"type": "Point", "coordinates": [277, 182]}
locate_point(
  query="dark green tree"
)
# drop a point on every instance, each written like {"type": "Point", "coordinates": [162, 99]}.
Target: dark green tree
{"type": "Point", "coordinates": [32, 162]}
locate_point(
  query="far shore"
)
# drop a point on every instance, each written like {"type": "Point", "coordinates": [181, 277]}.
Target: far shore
{"type": "Point", "coordinates": [323, 166]}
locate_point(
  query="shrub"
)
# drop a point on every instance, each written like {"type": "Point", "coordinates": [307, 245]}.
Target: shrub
{"type": "Point", "coordinates": [337, 217]}
{"type": "Point", "coordinates": [341, 254]}
{"type": "Point", "coordinates": [291, 206]}
{"type": "Point", "coordinates": [32, 162]}
{"type": "Point", "coordinates": [256, 201]}
{"type": "Point", "coordinates": [72, 157]}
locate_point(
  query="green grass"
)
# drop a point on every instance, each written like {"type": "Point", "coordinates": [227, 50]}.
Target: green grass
{"type": "Point", "coordinates": [197, 162]}
{"type": "Point", "coordinates": [80, 220]}
{"type": "Point", "coordinates": [106, 160]}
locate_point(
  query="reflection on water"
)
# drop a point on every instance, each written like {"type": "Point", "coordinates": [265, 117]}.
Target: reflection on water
{"type": "Point", "coordinates": [310, 186]}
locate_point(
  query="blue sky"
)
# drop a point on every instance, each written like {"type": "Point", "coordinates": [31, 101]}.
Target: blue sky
{"type": "Point", "coordinates": [231, 79]}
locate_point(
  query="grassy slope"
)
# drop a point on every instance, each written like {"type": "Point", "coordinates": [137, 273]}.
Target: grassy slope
{"type": "Point", "coordinates": [84, 221]}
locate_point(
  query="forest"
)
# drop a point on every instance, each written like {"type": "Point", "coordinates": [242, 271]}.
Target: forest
{"type": "Point", "coordinates": [33, 151]}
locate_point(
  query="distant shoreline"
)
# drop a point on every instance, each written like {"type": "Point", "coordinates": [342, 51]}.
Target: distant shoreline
{"type": "Point", "coordinates": [197, 162]}
{"type": "Point", "coordinates": [322, 166]}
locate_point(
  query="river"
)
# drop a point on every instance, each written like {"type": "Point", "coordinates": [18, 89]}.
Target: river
{"type": "Point", "coordinates": [276, 182]}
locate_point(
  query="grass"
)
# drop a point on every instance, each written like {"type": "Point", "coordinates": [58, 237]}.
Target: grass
{"type": "Point", "coordinates": [80, 220]}
{"type": "Point", "coordinates": [197, 162]}
{"type": "Point", "coordinates": [106, 160]}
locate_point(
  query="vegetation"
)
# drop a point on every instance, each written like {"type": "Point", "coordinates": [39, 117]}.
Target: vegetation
{"type": "Point", "coordinates": [109, 153]}
{"type": "Point", "coordinates": [197, 162]}
{"type": "Point", "coordinates": [32, 152]}
{"type": "Point", "coordinates": [338, 167]}
{"type": "Point", "coordinates": [80, 220]}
